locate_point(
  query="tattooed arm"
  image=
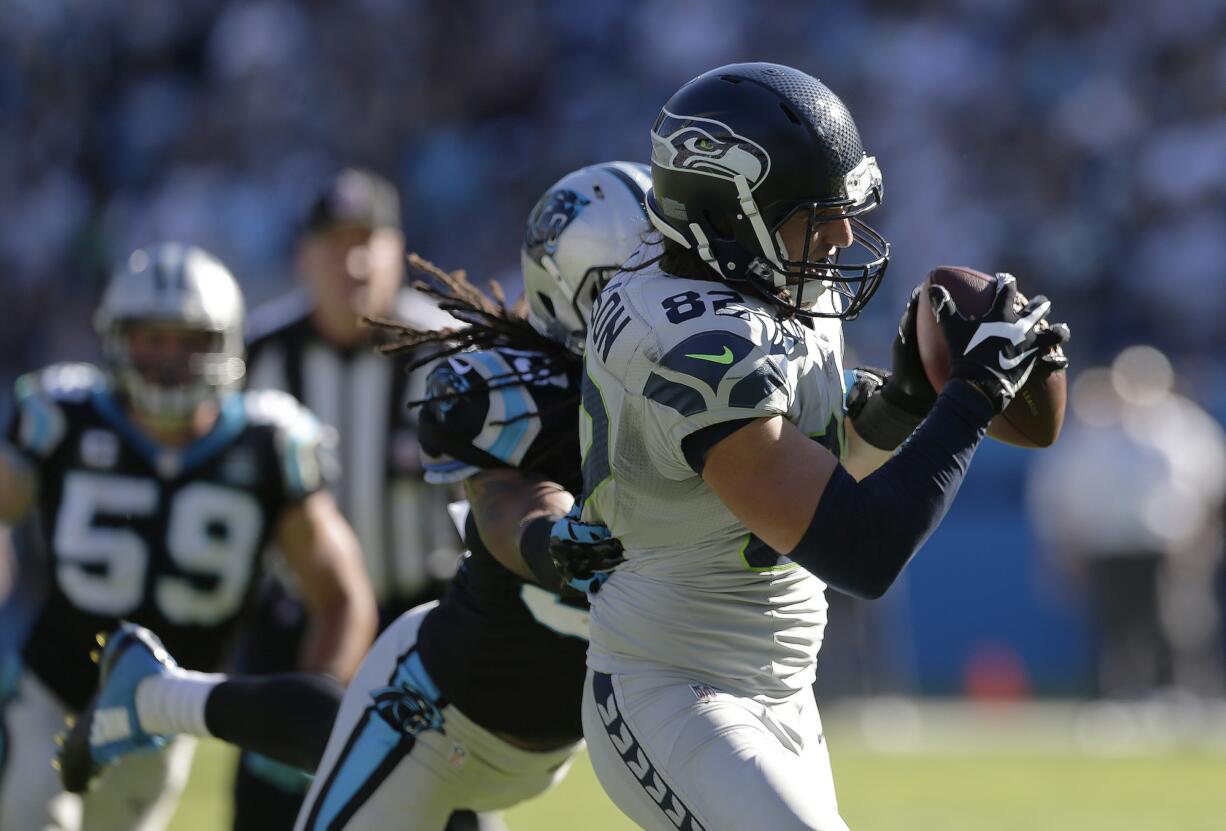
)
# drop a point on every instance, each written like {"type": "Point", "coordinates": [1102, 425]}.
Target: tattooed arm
{"type": "Point", "coordinates": [511, 507]}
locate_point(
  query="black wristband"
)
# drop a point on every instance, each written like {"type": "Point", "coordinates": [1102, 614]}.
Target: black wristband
{"type": "Point", "coordinates": [534, 550]}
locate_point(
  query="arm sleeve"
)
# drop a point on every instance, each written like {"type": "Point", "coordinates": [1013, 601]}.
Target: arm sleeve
{"type": "Point", "coordinates": [863, 533]}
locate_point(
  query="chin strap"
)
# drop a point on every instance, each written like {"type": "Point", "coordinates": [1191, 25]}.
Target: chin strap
{"type": "Point", "coordinates": [749, 207]}
{"type": "Point", "coordinates": [704, 248]}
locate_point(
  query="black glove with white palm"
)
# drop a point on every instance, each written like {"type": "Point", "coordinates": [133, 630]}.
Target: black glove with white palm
{"type": "Point", "coordinates": [997, 351]}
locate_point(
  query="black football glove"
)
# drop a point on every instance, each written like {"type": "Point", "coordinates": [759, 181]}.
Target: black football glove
{"type": "Point", "coordinates": [585, 553]}
{"type": "Point", "coordinates": [908, 387]}
{"type": "Point", "coordinates": [886, 407]}
{"type": "Point", "coordinates": [997, 351]}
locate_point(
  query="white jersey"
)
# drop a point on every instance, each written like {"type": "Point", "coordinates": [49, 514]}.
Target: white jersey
{"type": "Point", "coordinates": [698, 593]}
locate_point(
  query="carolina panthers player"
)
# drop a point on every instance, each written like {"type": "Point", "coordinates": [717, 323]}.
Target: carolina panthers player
{"type": "Point", "coordinates": [713, 429]}
{"type": "Point", "coordinates": [474, 702]}
{"type": "Point", "coordinates": [312, 343]}
{"type": "Point", "coordinates": [156, 485]}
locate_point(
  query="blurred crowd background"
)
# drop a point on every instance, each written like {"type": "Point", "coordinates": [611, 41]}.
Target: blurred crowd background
{"type": "Point", "coordinates": [1079, 145]}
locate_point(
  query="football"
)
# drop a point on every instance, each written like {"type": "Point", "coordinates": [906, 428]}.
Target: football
{"type": "Point", "coordinates": [1035, 416]}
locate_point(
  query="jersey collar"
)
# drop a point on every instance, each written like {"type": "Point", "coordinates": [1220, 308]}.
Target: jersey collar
{"type": "Point", "coordinates": [171, 462]}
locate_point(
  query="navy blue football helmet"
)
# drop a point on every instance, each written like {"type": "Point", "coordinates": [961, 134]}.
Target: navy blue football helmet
{"type": "Point", "coordinates": [740, 150]}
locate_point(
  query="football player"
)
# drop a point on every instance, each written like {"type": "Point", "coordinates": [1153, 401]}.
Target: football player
{"type": "Point", "coordinates": [313, 344]}
{"type": "Point", "coordinates": [713, 430]}
{"type": "Point", "coordinates": [472, 702]}
{"type": "Point", "coordinates": [156, 485]}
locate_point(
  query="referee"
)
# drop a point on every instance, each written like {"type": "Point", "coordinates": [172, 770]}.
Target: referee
{"type": "Point", "coordinates": [311, 343]}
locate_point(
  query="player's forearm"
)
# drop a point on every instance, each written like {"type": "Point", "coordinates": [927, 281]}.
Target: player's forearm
{"type": "Point", "coordinates": [862, 534]}
{"type": "Point", "coordinates": [549, 505]}
{"type": "Point", "coordinates": [881, 414]}
{"type": "Point", "coordinates": [338, 636]}
{"type": "Point", "coordinates": [326, 557]}
{"type": "Point", "coordinates": [506, 506]}
{"type": "Point", "coordinates": [862, 458]}
{"type": "Point", "coordinates": [344, 620]}
{"type": "Point", "coordinates": [341, 602]}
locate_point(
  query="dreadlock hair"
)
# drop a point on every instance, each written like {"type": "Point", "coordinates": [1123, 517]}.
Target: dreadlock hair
{"type": "Point", "coordinates": [488, 323]}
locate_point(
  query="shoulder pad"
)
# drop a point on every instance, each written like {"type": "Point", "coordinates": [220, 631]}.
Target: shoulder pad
{"type": "Point", "coordinates": [275, 408]}
{"type": "Point", "coordinates": [306, 447]}
{"type": "Point", "coordinates": [643, 317]}
{"type": "Point", "coordinates": [67, 382]}
{"type": "Point", "coordinates": [479, 402]}
{"type": "Point", "coordinates": [718, 369]}
{"type": "Point", "coordinates": [41, 397]}
{"type": "Point", "coordinates": [714, 348]}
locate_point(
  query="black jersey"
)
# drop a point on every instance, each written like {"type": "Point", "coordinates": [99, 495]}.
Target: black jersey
{"type": "Point", "coordinates": [167, 538]}
{"type": "Point", "coordinates": [408, 542]}
{"type": "Point", "coordinates": [508, 653]}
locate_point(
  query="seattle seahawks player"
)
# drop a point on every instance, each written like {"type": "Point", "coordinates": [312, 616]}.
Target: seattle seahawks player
{"type": "Point", "coordinates": [156, 485]}
{"type": "Point", "coordinates": [713, 429]}
{"type": "Point", "coordinates": [473, 702]}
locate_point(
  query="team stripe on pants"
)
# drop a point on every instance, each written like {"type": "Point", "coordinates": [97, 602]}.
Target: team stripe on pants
{"type": "Point", "coordinates": [636, 760]}
{"type": "Point", "coordinates": [371, 754]}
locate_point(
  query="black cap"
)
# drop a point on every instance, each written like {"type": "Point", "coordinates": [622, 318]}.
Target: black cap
{"type": "Point", "coordinates": [355, 197]}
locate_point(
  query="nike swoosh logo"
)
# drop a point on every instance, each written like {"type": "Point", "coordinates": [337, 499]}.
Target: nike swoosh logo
{"type": "Point", "coordinates": [725, 358]}
{"type": "Point", "coordinates": [1011, 363]}
{"type": "Point", "coordinates": [1015, 332]}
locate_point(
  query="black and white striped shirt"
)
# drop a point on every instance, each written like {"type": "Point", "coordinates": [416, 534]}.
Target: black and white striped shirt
{"type": "Point", "coordinates": [407, 538]}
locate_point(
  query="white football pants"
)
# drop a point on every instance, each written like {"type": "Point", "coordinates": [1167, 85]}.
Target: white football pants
{"type": "Point", "coordinates": [674, 753]}
{"type": "Point", "coordinates": [375, 777]}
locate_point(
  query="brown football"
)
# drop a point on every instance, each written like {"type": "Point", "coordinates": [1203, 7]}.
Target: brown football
{"type": "Point", "coordinates": [1036, 414]}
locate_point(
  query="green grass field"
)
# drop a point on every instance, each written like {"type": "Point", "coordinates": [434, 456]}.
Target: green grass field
{"type": "Point", "coordinates": [953, 769]}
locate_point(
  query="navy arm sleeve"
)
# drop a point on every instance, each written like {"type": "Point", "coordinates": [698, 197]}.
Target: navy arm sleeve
{"type": "Point", "coordinates": [863, 533]}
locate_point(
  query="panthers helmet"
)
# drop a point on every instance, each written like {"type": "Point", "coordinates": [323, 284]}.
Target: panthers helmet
{"type": "Point", "coordinates": [579, 234]}
{"type": "Point", "coordinates": [181, 286]}
{"type": "Point", "coordinates": [740, 150]}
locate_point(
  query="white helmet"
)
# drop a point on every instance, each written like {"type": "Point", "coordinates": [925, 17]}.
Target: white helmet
{"type": "Point", "coordinates": [579, 234]}
{"type": "Point", "coordinates": [183, 286]}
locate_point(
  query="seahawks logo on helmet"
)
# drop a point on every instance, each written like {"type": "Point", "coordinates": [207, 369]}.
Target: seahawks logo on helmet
{"type": "Point", "coordinates": [703, 145]}
{"type": "Point", "coordinates": [556, 210]}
